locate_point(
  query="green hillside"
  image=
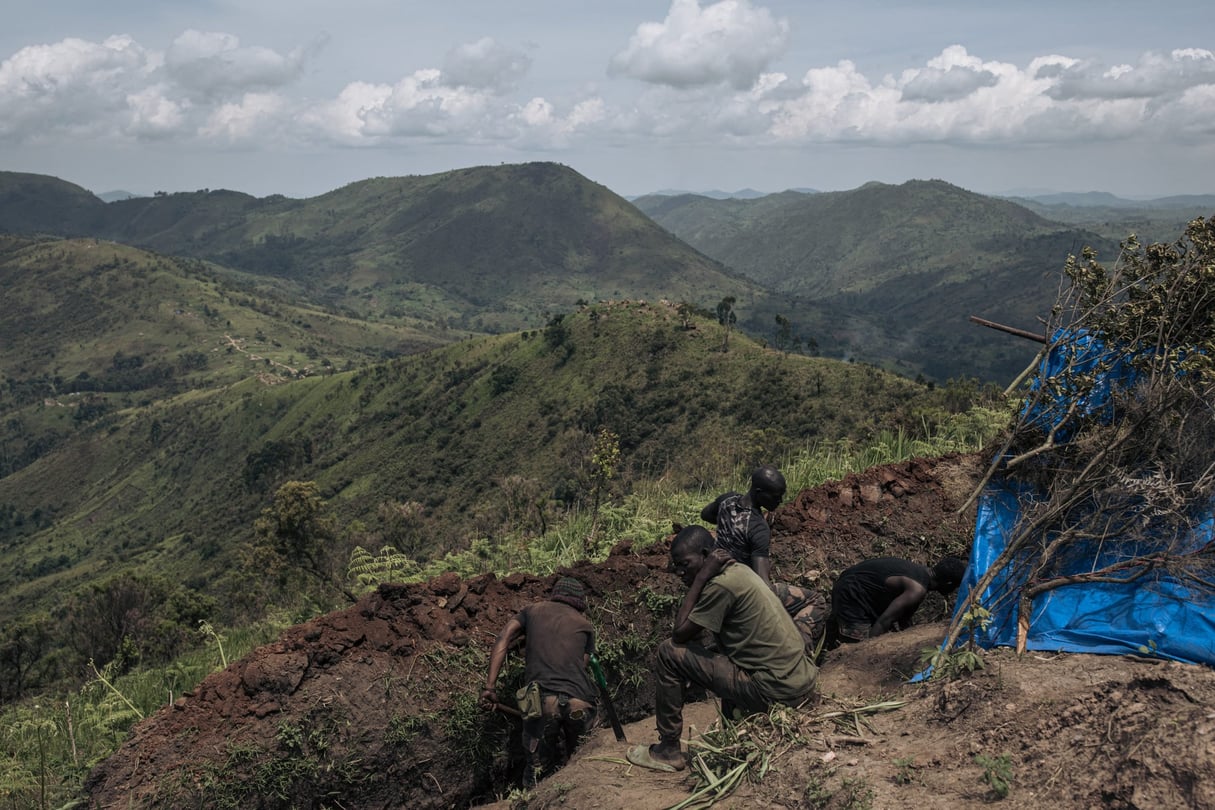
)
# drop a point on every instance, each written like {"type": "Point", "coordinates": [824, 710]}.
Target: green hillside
{"type": "Point", "coordinates": [882, 274]}
{"type": "Point", "coordinates": [482, 249]}
{"type": "Point", "coordinates": [466, 433]}
{"type": "Point", "coordinates": [38, 203]}
{"type": "Point", "coordinates": [890, 274]}
{"type": "Point", "coordinates": [91, 327]}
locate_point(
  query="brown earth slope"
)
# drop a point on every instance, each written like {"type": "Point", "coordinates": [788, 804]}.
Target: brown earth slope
{"type": "Point", "coordinates": [374, 706]}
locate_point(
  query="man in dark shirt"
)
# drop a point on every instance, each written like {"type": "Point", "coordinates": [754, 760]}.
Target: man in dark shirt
{"type": "Point", "coordinates": [559, 643]}
{"type": "Point", "coordinates": [876, 596]}
{"type": "Point", "coordinates": [761, 661]}
{"type": "Point", "coordinates": [743, 532]}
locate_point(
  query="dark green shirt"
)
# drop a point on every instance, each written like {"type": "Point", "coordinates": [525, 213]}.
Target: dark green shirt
{"type": "Point", "coordinates": [756, 633]}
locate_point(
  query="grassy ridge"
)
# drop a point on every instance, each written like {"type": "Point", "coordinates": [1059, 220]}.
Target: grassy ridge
{"type": "Point", "coordinates": [93, 327]}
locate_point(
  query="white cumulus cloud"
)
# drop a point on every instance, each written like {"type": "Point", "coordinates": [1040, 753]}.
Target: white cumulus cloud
{"type": "Point", "coordinates": [730, 42]}
{"type": "Point", "coordinates": [1156, 75]}
{"type": "Point", "coordinates": [485, 64]}
{"type": "Point", "coordinates": [119, 88]}
{"type": "Point", "coordinates": [73, 85]}
{"type": "Point", "coordinates": [705, 80]}
{"type": "Point", "coordinates": [213, 64]}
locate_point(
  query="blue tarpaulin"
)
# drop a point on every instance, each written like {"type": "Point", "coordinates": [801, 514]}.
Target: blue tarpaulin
{"type": "Point", "coordinates": [1156, 614]}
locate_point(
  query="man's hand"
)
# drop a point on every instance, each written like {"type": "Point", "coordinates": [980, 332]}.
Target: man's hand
{"type": "Point", "coordinates": [717, 561]}
{"type": "Point", "coordinates": [489, 699]}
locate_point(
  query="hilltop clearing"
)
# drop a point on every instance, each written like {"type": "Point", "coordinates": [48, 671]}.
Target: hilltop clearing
{"type": "Point", "coordinates": [374, 706]}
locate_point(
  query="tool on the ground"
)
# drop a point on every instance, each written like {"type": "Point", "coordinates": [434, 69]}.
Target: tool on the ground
{"type": "Point", "coordinates": [502, 707]}
{"type": "Point", "coordinates": [607, 699]}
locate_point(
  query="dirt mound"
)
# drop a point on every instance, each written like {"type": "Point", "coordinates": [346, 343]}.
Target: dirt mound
{"type": "Point", "coordinates": [375, 706]}
{"type": "Point", "coordinates": [1062, 730]}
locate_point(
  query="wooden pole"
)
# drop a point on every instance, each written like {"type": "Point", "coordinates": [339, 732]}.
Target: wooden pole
{"type": "Point", "coordinates": [1010, 330]}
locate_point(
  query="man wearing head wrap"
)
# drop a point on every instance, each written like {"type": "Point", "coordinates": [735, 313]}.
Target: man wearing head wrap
{"type": "Point", "coordinates": [559, 642]}
{"type": "Point", "coordinates": [743, 533]}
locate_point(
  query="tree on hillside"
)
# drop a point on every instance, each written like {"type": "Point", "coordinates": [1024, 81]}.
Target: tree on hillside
{"type": "Point", "coordinates": [1116, 441]}
{"type": "Point", "coordinates": [25, 659]}
{"type": "Point", "coordinates": [782, 339]}
{"type": "Point", "coordinates": [727, 318]}
{"type": "Point", "coordinates": [297, 528]}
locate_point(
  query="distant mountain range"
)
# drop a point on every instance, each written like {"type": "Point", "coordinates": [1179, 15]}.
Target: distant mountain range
{"type": "Point", "coordinates": [1086, 199]}
{"type": "Point", "coordinates": [883, 274]}
{"type": "Point", "coordinates": [715, 194]}
{"type": "Point", "coordinates": [1103, 199]}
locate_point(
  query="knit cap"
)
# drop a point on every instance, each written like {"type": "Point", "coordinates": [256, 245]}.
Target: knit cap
{"type": "Point", "coordinates": [571, 592]}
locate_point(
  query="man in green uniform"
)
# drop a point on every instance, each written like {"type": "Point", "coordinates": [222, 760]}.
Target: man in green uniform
{"type": "Point", "coordinates": [762, 659]}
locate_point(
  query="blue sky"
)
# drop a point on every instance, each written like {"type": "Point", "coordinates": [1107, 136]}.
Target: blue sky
{"type": "Point", "coordinates": [303, 96]}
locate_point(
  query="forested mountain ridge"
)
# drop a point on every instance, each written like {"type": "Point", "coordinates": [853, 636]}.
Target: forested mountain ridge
{"type": "Point", "coordinates": [881, 274]}
{"type": "Point", "coordinates": [850, 242]}
{"type": "Point", "coordinates": [492, 248]}
{"type": "Point", "coordinates": [894, 270]}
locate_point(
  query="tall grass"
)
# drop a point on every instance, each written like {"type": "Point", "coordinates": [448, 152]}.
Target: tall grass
{"type": "Point", "coordinates": [645, 515]}
{"type": "Point", "coordinates": [50, 743]}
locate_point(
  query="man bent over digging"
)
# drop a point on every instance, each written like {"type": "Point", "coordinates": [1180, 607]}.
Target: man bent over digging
{"type": "Point", "coordinates": [762, 660]}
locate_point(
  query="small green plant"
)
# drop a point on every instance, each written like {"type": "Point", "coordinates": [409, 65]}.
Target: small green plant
{"type": "Point", "coordinates": [209, 632]}
{"type": "Point", "coordinates": [467, 725]}
{"type": "Point", "coordinates": [660, 604]}
{"type": "Point", "coordinates": [905, 768]}
{"type": "Point", "coordinates": [855, 794]}
{"type": "Point", "coordinates": [104, 676]}
{"type": "Point", "coordinates": [290, 736]}
{"type": "Point", "coordinates": [816, 794]}
{"type": "Point", "coordinates": [401, 730]}
{"type": "Point", "coordinates": [948, 665]}
{"type": "Point", "coordinates": [997, 773]}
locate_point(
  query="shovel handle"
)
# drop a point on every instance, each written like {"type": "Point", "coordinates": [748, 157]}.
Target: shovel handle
{"type": "Point", "coordinates": [502, 707]}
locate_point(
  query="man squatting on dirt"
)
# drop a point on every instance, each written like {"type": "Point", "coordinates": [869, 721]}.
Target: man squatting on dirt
{"type": "Point", "coordinates": [763, 660]}
{"type": "Point", "coordinates": [743, 532]}
{"type": "Point", "coordinates": [879, 595]}
{"type": "Point", "coordinates": [559, 644]}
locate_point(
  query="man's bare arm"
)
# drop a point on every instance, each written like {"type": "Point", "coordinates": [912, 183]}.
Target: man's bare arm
{"type": "Point", "coordinates": [911, 594]}
{"type": "Point", "coordinates": [763, 567]}
{"type": "Point", "coordinates": [497, 658]}
{"type": "Point", "coordinates": [685, 629]}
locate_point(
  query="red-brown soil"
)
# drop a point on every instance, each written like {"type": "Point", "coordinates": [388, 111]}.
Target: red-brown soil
{"type": "Point", "coordinates": [374, 706]}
